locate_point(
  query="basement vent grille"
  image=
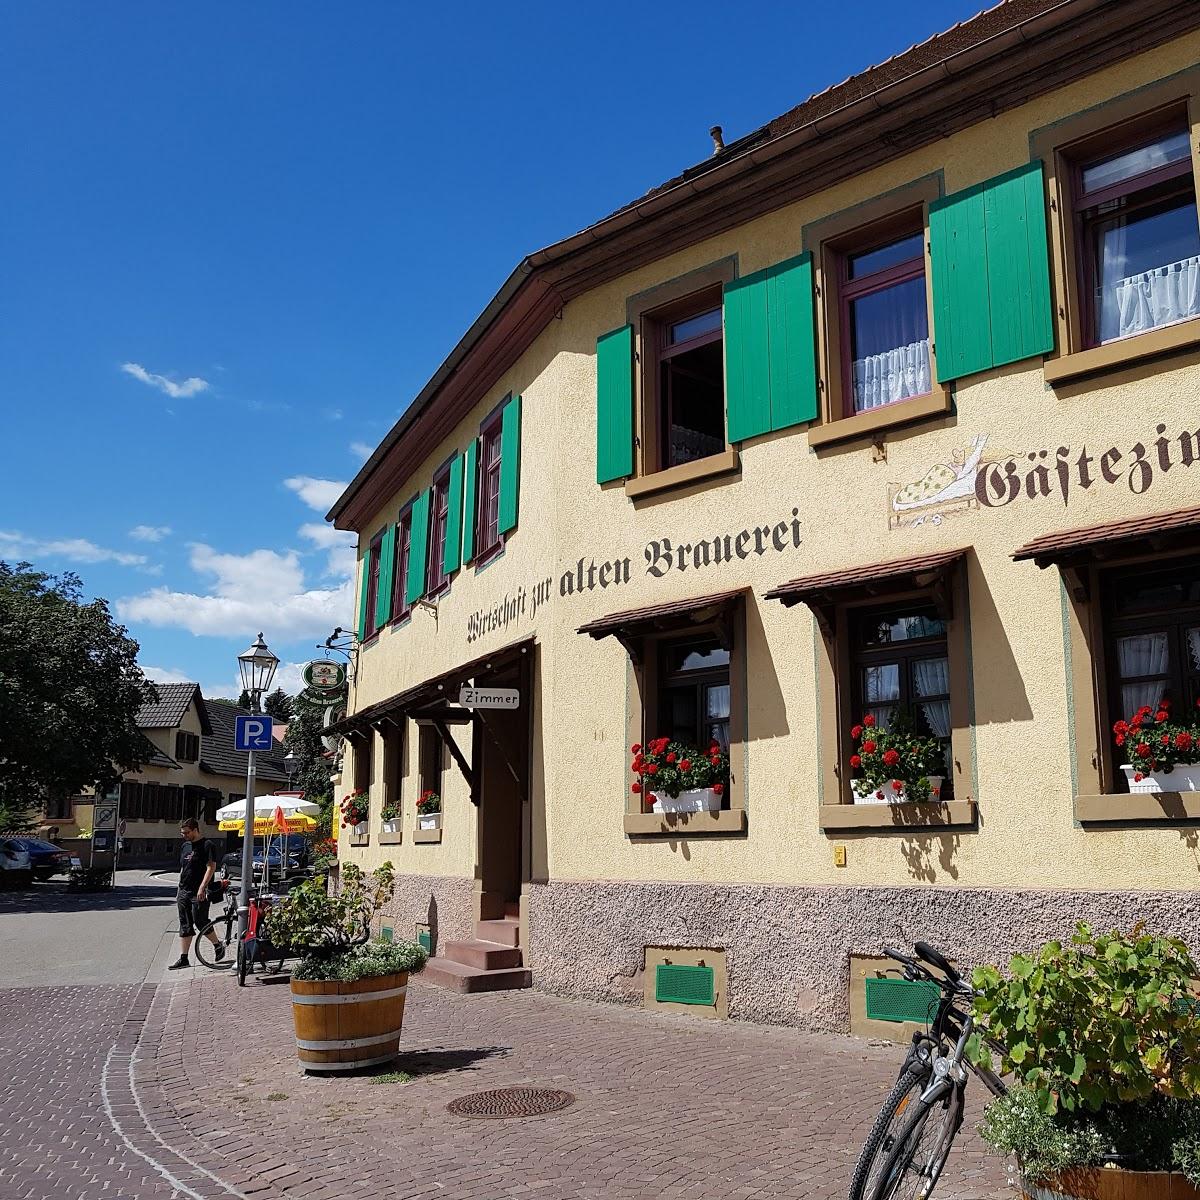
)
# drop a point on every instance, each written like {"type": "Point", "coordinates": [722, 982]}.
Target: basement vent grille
{"type": "Point", "coordinates": [902, 1000]}
{"type": "Point", "coordinates": [676, 984]}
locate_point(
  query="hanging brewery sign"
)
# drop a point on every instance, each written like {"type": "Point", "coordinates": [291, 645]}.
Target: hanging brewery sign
{"type": "Point", "coordinates": [473, 697]}
{"type": "Point", "coordinates": [324, 675]}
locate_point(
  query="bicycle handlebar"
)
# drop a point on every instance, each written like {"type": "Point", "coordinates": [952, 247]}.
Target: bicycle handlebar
{"type": "Point", "coordinates": [931, 956]}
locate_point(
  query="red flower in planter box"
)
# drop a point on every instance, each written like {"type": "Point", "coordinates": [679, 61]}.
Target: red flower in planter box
{"type": "Point", "coordinates": [896, 759]}
{"type": "Point", "coordinates": [673, 767]}
{"type": "Point", "coordinates": [1177, 739]}
{"type": "Point", "coordinates": [354, 807]}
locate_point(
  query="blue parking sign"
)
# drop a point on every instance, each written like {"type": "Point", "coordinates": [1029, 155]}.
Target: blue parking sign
{"type": "Point", "coordinates": [252, 732]}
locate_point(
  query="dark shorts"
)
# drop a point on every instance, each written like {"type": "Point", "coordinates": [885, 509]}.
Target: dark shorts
{"type": "Point", "coordinates": [193, 913]}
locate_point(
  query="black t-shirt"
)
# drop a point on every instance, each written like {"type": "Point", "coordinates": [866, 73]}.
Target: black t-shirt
{"type": "Point", "coordinates": [193, 861]}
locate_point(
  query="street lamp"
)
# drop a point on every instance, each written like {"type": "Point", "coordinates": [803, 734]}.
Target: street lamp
{"type": "Point", "coordinates": [257, 666]}
{"type": "Point", "coordinates": [290, 765]}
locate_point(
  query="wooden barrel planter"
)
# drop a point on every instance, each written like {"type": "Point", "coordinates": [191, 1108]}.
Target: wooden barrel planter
{"type": "Point", "coordinates": [344, 1026]}
{"type": "Point", "coordinates": [1094, 1183]}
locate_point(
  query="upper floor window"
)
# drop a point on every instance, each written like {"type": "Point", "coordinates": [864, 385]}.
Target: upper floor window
{"type": "Point", "coordinates": [1137, 236]}
{"type": "Point", "coordinates": [375, 555]}
{"type": "Point", "coordinates": [187, 746]}
{"type": "Point", "coordinates": [436, 578]}
{"type": "Point", "coordinates": [400, 605]}
{"type": "Point", "coordinates": [885, 322]}
{"type": "Point", "coordinates": [685, 382]}
{"type": "Point", "coordinates": [488, 507]}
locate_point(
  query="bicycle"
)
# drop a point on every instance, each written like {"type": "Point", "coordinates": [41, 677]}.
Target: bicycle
{"type": "Point", "coordinates": [223, 927]}
{"type": "Point", "coordinates": [903, 1156]}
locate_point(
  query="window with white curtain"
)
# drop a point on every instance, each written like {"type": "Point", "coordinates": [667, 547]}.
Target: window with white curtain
{"type": "Point", "coordinates": [1152, 639]}
{"type": "Point", "coordinates": [1138, 235]}
{"type": "Point", "coordinates": [901, 671]}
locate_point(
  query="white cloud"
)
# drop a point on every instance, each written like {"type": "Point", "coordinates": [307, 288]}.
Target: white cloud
{"type": "Point", "coordinates": [361, 450]}
{"type": "Point", "coordinates": [149, 533]}
{"type": "Point", "coordinates": [318, 494]}
{"type": "Point", "coordinates": [260, 590]}
{"type": "Point", "coordinates": [15, 545]}
{"type": "Point", "coordinates": [229, 690]}
{"type": "Point", "coordinates": [177, 391]}
{"type": "Point", "coordinates": [341, 544]}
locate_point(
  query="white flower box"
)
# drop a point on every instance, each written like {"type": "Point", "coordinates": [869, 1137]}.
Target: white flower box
{"type": "Point", "coordinates": [392, 826]}
{"type": "Point", "coordinates": [693, 800]}
{"type": "Point", "coordinates": [429, 820]}
{"type": "Point", "coordinates": [866, 795]}
{"type": "Point", "coordinates": [1184, 778]}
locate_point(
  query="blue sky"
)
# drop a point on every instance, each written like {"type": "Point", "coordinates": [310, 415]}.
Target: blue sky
{"type": "Point", "coordinates": [237, 239]}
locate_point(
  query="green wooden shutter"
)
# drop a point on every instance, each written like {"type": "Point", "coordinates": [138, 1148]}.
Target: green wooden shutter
{"type": "Point", "coordinates": [510, 463]}
{"type": "Point", "coordinates": [468, 534]}
{"type": "Point", "coordinates": [419, 548]}
{"type": "Point", "coordinates": [991, 274]}
{"type": "Point", "coordinates": [364, 579]}
{"type": "Point", "coordinates": [614, 404]}
{"type": "Point", "coordinates": [770, 350]}
{"type": "Point", "coordinates": [454, 512]}
{"type": "Point", "coordinates": [387, 561]}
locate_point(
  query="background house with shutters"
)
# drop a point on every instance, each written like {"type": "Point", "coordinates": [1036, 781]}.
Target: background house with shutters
{"type": "Point", "coordinates": [192, 770]}
{"type": "Point", "coordinates": [818, 510]}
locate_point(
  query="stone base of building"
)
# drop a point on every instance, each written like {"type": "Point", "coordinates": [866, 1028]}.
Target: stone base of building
{"type": "Point", "coordinates": [442, 904]}
{"type": "Point", "coordinates": [787, 949]}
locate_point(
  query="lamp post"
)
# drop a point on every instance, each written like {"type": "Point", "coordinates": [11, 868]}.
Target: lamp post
{"type": "Point", "coordinates": [290, 765]}
{"type": "Point", "coordinates": [257, 666]}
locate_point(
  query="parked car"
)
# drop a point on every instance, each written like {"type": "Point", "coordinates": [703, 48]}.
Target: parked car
{"type": "Point", "coordinates": [45, 858]}
{"type": "Point", "coordinates": [15, 868]}
{"type": "Point", "coordinates": [283, 861]}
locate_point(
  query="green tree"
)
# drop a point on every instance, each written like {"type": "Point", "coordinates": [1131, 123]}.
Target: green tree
{"type": "Point", "coordinates": [303, 739]}
{"type": "Point", "coordinates": [70, 690]}
{"type": "Point", "coordinates": [244, 699]}
{"type": "Point", "coordinates": [279, 705]}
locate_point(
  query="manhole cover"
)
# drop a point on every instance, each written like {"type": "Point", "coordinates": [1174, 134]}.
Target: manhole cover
{"type": "Point", "coordinates": [511, 1102]}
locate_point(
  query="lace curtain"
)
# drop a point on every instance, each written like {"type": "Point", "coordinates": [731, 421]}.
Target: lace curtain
{"type": "Point", "coordinates": [1150, 299]}
{"type": "Point", "coordinates": [892, 375]}
{"type": "Point", "coordinates": [931, 677]}
{"type": "Point", "coordinates": [1143, 654]}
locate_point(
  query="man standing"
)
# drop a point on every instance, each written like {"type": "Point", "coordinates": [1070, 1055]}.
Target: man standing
{"type": "Point", "coordinates": [197, 862]}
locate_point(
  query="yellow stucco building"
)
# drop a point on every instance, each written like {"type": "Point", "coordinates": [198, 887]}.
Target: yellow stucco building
{"type": "Point", "coordinates": [887, 408]}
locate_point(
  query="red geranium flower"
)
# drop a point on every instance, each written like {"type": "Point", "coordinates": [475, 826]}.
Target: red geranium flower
{"type": "Point", "coordinates": [686, 765]}
{"type": "Point", "coordinates": [1138, 777]}
{"type": "Point", "coordinates": [636, 747]}
{"type": "Point", "coordinates": [897, 784]}
{"type": "Point", "coordinates": [856, 732]}
{"type": "Point", "coordinates": [855, 760]}
{"type": "Point", "coordinates": [878, 795]}
{"type": "Point", "coordinates": [868, 719]}
{"type": "Point", "coordinates": [671, 757]}
{"type": "Point", "coordinates": [1142, 749]}
{"type": "Point", "coordinates": [868, 747]}
{"type": "Point", "coordinates": [718, 788]}
{"type": "Point", "coordinates": [891, 757]}
{"type": "Point", "coordinates": [1120, 739]}
{"type": "Point", "coordinates": [1183, 740]}
{"type": "Point", "coordinates": [1160, 716]}
{"type": "Point", "coordinates": [637, 787]}
{"type": "Point", "coordinates": [1165, 739]}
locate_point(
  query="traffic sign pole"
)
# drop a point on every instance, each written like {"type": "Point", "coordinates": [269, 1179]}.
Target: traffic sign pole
{"type": "Point", "coordinates": [247, 852]}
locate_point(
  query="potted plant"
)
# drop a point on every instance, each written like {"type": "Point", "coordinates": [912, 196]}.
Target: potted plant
{"type": "Point", "coordinates": [429, 810]}
{"type": "Point", "coordinates": [390, 815]}
{"type": "Point", "coordinates": [1102, 1037]}
{"type": "Point", "coordinates": [896, 765]}
{"type": "Point", "coordinates": [347, 992]}
{"type": "Point", "coordinates": [355, 809]}
{"type": "Point", "coordinates": [1163, 751]}
{"type": "Point", "coordinates": [675, 777]}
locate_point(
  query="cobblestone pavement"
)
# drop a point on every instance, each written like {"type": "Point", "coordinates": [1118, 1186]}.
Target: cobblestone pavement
{"type": "Point", "coordinates": [667, 1106]}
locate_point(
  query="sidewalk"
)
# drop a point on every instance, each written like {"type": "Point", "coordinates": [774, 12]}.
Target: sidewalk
{"type": "Point", "coordinates": [666, 1106]}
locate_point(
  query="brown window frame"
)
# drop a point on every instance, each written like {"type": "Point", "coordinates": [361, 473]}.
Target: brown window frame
{"type": "Point", "coordinates": [834, 240]}
{"type": "Point", "coordinates": [1095, 135]}
{"type": "Point", "coordinates": [436, 578]}
{"type": "Point", "coordinates": [642, 719]}
{"type": "Point", "coordinates": [59, 808]}
{"type": "Point", "coordinates": [431, 762]}
{"type": "Point", "coordinates": [649, 312]}
{"type": "Point", "coordinates": [488, 538]}
{"type": "Point", "coordinates": [906, 654]}
{"type": "Point", "coordinates": [364, 763]}
{"type": "Point", "coordinates": [393, 738]}
{"type": "Point", "coordinates": [838, 715]}
{"type": "Point", "coordinates": [187, 746]}
{"type": "Point", "coordinates": [374, 557]}
{"type": "Point", "coordinates": [696, 680]}
{"type": "Point", "coordinates": [401, 608]}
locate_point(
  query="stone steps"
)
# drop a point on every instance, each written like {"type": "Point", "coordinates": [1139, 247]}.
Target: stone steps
{"type": "Point", "coordinates": [490, 962]}
{"type": "Point", "coordinates": [459, 977]}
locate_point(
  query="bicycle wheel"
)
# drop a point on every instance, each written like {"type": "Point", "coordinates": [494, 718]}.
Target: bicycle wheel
{"type": "Point", "coordinates": [243, 963]}
{"type": "Point", "coordinates": [885, 1131]}
{"type": "Point", "coordinates": [206, 954]}
{"type": "Point", "coordinates": [915, 1163]}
